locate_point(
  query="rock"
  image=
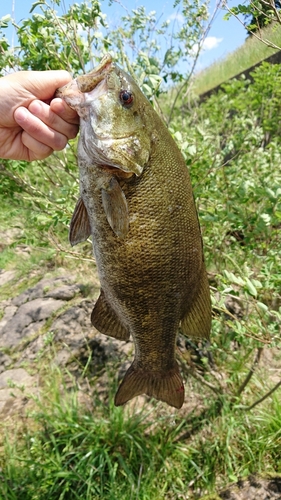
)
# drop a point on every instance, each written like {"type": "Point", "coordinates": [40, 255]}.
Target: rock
{"type": "Point", "coordinates": [47, 288]}
{"type": "Point", "coordinates": [38, 309]}
{"type": "Point", "coordinates": [62, 357]}
{"type": "Point", "coordinates": [77, 343]}
{"type": "Point", "coordinates": [66, 292]}
{"type": "Point", "coordinates": [17, 376]}
{"type": "Point", "coordinates": [32, 329]}
{"type": "Point", "coordinates": [25, 314]}
{"type": "Point", "coordinates": [31, 312]}
{"type": "Point", "coordinates": [13, 384]}
{"type": "Point", "coordinates": [9, 312]}
{"type": "Point", "coordinates": [5, 361]}
{"type": "Point", "coordinates": [73, 322]}
{"type": "Point", "coordinates": [6, 276]}
{"type": "Point", "coordinates": [32, 350]}
{"type": "Point", "coordinates": [84, 346]}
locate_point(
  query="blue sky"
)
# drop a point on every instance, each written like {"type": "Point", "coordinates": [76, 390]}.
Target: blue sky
{"type": "Point", "coordinates": [224, 36]}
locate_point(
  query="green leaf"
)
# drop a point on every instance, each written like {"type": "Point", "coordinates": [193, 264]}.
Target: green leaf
{"type": "Point", "coordinates": [250, 287]}
{"type": "Point", "coordinates": [35, 4]}
{"type": "Point", "coordinates": [263, 307]}
{"type": "Point", "coordinates": [191, 150]}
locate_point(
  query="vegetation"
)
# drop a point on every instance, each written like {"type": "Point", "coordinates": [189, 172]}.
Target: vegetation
{"type": "Point", "coordinates": [244, 57]}
{"type": "Point", "coordinates": [261, 14]}
{"type": "Point", "coordinates": [65, 452]}
{"type": "Point", "coordinates": [232, 147]}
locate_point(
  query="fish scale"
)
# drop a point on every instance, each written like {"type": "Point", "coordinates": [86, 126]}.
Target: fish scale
{"type": "Point", "coordinates": [136, 201]}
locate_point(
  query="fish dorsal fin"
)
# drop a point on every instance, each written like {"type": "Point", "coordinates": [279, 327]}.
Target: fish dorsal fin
{"type": "Point", "coordinates": [105, 320]}
{"type": "Point", "coordinates": [80, 228]}
{"type": "Point", "coordinates": [197, 321]}
{"type": "Point", "coordinates": [116, 207]}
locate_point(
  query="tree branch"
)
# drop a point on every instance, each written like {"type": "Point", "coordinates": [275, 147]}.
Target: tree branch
{"type": "Point", "coordinates": [265, 396]}
{"type": "Point", "coordinates": [251, 372]}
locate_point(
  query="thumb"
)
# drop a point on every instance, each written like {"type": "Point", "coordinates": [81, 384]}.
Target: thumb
{"type": "Point", "coordinates": [43, 84]}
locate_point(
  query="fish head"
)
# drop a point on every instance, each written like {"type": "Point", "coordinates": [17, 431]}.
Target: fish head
{"type": "Point", "coordinates": [116, 118]}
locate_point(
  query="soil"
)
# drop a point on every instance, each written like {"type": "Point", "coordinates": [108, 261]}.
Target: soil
{"type": "Point", "coordinates": [253, 488]}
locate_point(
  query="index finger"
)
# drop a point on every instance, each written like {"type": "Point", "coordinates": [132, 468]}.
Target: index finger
{"type": "Point", "coordinates": [60, 107]}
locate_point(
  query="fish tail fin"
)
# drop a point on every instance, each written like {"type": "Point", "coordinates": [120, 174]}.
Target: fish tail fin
{"type": "Point", "coordinates": [165, 386]}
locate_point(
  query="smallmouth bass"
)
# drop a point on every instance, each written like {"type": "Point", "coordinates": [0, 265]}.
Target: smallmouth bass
{"type": "Point", "coordinates": [136, 201]}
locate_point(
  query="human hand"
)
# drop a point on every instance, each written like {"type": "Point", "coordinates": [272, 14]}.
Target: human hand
{"type": "Point", "coordinates": [30, 127]}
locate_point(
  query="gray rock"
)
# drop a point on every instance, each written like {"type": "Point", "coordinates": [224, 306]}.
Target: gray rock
{"type": "Point", "coordinates": [65, 292]}
{"type": "Point", "coordinates": [46, 288]}
{"type": "Point", "coordinates": [62, 357]}
{"type": "Point", "coordinates": [17, 376]}
{"type": "Point", "coordinates": [73, 321]}
{"type": "Point", "coordinates": [6, 276]}
{"type": "Point", "coordinates": [71, 341]}
{"type": "Point", "coordinates": [5, 361]}
{"type": "Point", "coordinates": [32, 329]}
{"type": "Point", "coordinates": [31, 312]}
{"type": "Point", "coordinates": [31, 352]}
{"type": "Point", "coordinates": [9, 312]}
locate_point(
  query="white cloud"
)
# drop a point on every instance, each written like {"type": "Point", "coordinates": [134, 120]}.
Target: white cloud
{"type": "Point", "coordinates": [176, 16]}
{"type": "Point", "coordinates": [210, 42]}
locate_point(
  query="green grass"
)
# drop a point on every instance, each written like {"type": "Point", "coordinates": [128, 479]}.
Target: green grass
{"type": "Point", "coordinates": [63, 451]}
{"type": "Point", "coordinates": [251, 52]}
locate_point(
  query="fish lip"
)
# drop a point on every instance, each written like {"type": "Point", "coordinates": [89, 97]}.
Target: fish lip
{"type": "Point", "coordinates": [87, 83]}
{"type": "Point", "coordinates": [66, 90]}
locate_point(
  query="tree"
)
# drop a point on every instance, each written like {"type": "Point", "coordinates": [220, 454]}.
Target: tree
{"type": "Point", "coordinates": [261, 14]}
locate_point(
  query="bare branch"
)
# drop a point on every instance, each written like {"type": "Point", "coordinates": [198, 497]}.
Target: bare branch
{"type": "Point", "coordinates": [200, 45]}
{"type": "Point", "coordinates": [265, 396]}
{"type": "Point", "coordinates": [197, 376]}
{"type": "Point", "coordinates": [68, 253]}
{"type": "Point", "coordinates": [251, 372]}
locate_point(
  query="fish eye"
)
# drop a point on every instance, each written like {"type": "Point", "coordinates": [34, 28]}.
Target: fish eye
{"type": "Point", "coordinates": [126, 97]}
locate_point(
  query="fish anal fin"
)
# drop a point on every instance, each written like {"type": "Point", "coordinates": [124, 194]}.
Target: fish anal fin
{"type": "Point", "coordinates": [116, 208]}
{"type": "Point", "coordinates": [164, 386]}
{"type": "Point", "coordinates": [80, 228]}
{"type": "Point", "coordinates": [105, 320]}
{"type": "Point", "coordinates": [197, 321]}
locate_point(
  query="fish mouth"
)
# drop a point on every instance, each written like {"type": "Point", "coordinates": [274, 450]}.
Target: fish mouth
{"type": "Point", "coordinates": [87, 83]}
{"type": "Point", "coordinates": [84, 84]}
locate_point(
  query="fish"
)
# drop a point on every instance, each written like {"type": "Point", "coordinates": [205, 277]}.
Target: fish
{"type": "Point", "coordinates": [137, 204]}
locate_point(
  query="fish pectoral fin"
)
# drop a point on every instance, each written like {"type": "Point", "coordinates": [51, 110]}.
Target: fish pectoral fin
{"type": "Point", "coordinates": [105, 320]}
{"type": "Point", "coordinates": [116, 208]}
{"type": "Point", "coordinates": [80, 228]}
{"type": "Point", "coordinates": [197, 321]}
{"type": "Point", "coordinates": [164, 386]}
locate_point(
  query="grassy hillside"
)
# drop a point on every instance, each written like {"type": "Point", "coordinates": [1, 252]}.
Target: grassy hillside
{"type": "Point", "coordinates": [247, 55]}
